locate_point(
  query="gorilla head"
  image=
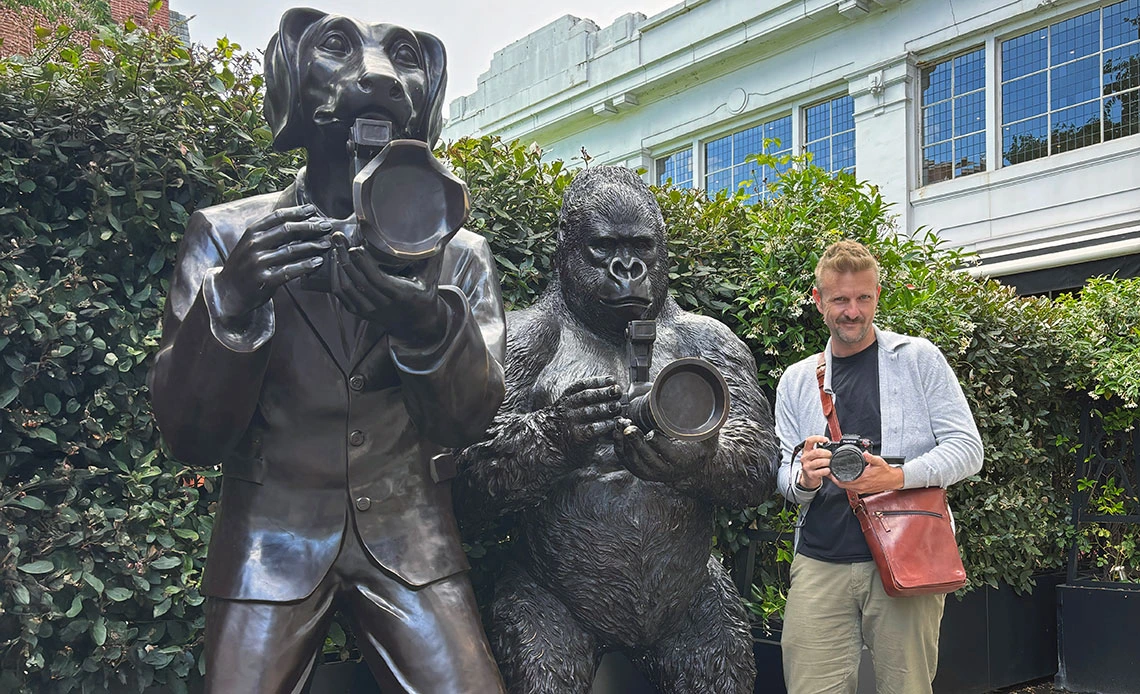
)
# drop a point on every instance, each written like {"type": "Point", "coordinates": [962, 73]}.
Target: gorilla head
{"type": "Point", "coordinates": [611, 258]}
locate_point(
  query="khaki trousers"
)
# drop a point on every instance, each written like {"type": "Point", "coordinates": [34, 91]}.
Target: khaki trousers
{"type": "Point", "coordinates": [834, 609]}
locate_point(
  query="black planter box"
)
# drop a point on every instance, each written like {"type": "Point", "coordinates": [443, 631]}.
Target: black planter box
{"type": "Point", "coordinates": [1097, 641]}
{"type": "Point", "coordinates": [995, 638]}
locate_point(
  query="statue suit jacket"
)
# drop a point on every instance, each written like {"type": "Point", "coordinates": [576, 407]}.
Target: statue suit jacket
{"type": "Point", "coordinates": [313, 432]}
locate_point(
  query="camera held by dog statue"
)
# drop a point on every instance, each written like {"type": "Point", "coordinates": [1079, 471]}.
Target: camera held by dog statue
{"type": "Point", "coordinates": [327, 345]}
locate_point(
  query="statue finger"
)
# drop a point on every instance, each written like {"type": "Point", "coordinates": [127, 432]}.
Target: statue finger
{"type": "Point", "coordinates": [347, 292]}
{"type": "Point", "coordinates": [293, 252]}
{"type": "Point", "coordinates": [277, 276]}
{"type": "Point", "coordinates": [396, 288]}
{"type": "Point", "coordinates": [592, 431]}
{"type": "Point", "coordinates": [593, 396]}
{"type": "Point", "coordinates": [588, 384]}
{"type": "Point", "coordinates": [282, 215]}
{"type": "Point", "coordinates": [595, 413]}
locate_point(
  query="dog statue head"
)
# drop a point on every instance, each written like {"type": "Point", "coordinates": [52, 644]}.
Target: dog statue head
{"type": "Point", "coordinates": [324, 71]}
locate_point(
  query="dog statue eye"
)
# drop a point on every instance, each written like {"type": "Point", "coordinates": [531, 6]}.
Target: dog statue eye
{"type": "Point", "coordinates": [335, 43]}
{"type": "Point", "coordinates": [406, 55]}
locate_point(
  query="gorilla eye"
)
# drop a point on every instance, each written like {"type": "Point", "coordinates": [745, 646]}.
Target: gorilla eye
{"type": "Point", "coordinates": [335, 43]}
{"type": "Point", "coordinates": [601, 248]}
{"type": "Point", "coordinates": [406, 55]}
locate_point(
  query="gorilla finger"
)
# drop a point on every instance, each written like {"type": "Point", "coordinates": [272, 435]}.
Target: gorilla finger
{"type": "Point", "coordinates": [595, 413]}
{"type": "Point", "coordinates": [593, 396]}
{"type": "Point", "coordinates": [591, 432]}
{"type": "Point", "coordinates": [281, 216]}
{"type": "Point", "coordinates": [589, 384]}
{"type": "Point", "coordinates": [293, 252]}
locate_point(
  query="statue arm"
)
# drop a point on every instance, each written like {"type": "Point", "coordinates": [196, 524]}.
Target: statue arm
{"type": "Point", "coordinates": [206, 377]}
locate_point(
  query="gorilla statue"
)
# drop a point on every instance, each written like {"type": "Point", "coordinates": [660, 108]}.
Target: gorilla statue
{"type": "Point", "coordinates": [614, 524]}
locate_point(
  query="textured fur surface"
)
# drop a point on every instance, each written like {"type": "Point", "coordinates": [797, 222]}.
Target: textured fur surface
{"type": "Point", "coordinates": [606, 560]}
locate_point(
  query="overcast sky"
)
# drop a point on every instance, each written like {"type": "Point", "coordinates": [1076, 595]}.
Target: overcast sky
{"type": "Point", "coordinates": [472, 30]}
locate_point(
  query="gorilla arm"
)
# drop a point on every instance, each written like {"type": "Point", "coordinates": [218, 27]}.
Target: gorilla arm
{"type": "Point", "coordinates": [734, 469]}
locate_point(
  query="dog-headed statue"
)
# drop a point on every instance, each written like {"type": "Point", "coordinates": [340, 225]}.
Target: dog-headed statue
{"type": "Point", "coordinates": [329, 410]}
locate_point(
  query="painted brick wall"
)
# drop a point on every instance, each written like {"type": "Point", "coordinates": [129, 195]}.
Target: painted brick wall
{"type": "Point", "coordinates": [17, 26]}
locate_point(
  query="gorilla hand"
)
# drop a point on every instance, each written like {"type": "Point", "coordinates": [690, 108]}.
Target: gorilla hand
{"type": "Point", "coordinates": [657, 458]}
{"type": "Point", "coordinates": [281, 246]}
{"type": "Point", "coordinates": [410, 307]}
{"type": "Point", "coordinates": [586, 410]}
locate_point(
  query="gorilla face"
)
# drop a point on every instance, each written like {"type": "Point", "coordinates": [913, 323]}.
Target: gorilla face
{"type": "Point", "coordinates": [611, 256]}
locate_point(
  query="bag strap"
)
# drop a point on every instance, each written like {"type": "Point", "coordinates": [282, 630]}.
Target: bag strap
{"type": "Point", "coordinates": [828, 405]}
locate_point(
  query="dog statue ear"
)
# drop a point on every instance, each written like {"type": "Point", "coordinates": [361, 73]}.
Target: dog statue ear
{"type": "Point", "coordinates": [282, 80]}
{"type": "Point", "coordinates": [435, 59]}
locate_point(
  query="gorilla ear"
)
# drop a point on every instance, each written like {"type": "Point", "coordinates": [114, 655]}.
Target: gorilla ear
{"type": "Point", "coordinates": [435, 59]}
{"type": "Point", "coordinates": [282, 81]}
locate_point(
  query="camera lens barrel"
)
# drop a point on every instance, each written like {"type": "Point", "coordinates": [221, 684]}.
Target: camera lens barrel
{"type": "Point", "coordinates": [847, 462]}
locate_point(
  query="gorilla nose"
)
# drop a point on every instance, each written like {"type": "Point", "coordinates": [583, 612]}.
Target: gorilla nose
{"type": "Point", "coordinates": [627, 269]}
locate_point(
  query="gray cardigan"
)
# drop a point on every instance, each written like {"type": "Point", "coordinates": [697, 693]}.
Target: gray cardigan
{"type": "Point", "coordinates": [925, 417]}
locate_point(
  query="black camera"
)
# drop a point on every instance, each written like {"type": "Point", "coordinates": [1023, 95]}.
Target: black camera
{"type": "Point", "coordinates": [847, 456]}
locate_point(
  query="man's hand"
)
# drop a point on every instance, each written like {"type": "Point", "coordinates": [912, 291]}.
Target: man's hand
{"type": "Point", "coordinates": [878, 476]}
{"type": "Point", "coordinates": [658, 458]}
{"type": "Point", "coordinates": [586, 410]}
{"type": "Point", "coordinates": [815, 463]}
{"type": "Point", "coordinates": [281, 246]}
{"type": "Point", "coordinates": [408, 305]}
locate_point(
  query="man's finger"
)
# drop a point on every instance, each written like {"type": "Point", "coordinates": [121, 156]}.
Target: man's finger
{"type": "Point", "coordinates": [280, 216]}
{"type": "Point", "coordinates": [283, 273]}
{"type": "Point", "coordinates": [289, 232]}
{"type": "Point", "coordinates": [293, 252]}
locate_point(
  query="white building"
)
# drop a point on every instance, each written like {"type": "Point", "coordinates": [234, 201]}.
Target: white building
{"type": "Point", "coordinates": [1012, 127]}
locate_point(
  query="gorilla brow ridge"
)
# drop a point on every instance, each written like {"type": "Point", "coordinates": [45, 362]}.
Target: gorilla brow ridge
{"type": "Point", "coordinates": [611, 193]}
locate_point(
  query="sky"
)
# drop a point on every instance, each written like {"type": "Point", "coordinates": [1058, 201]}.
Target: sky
{"type": "Point", "coordinates": [472, 30]}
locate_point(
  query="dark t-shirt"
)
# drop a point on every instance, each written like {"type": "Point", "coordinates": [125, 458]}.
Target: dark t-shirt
{"type": "Point", "coordinates": [831, 531]}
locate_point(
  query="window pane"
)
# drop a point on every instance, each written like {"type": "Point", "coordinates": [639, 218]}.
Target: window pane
{"type": "Point", "coordinates": [721, 180]}
{"type": "Point", "coordinates": [936, 164]}
{"type": "Point", "coordinates": [1075, 83]}
{"type": "Point", "coordinates": [780, 130]}
{"type": "Point", "coordinates": [818, 121]}
{"type": "Point", "coordinates": [843, 151]}
{"type": "Point", "coordinates": [820, 154]}
{"type": "Point", "coordinates": [718, 154]}
{"type": "Point", "coordinates": [936, 83]}
{"type": "Point", "coordinates": [937, 122]}
{"type": "Point", "coordinates": [1122, 68]}
{"type": "Point", "coordinates": [1122, 115]}
{"type": "Point", "coordinates": [1023, 98]}
{"type": "Point", "coordinates": [842, 114]}
{"type": "Point", "coordinates": [1025, 140]}
{"type": "Point", "coordinates": [747, 176]}
{"type": "Point", "coordinates": [1025, 54]}
{"type": "Point", "coordinates": [970, 71]}
{"type": "Point", "coordinates": [1121, 23]}
{"type": "Point", "coordinates": [1075, 38]}
{"type": "Point", "coordinates": [969, 154]}
{"type": "Point", "coordinates": [677, 167]}
{"type": "Point", "coordinates": [746, 143]}
{"type": "Point", "coordinates": [1076, 127]}
{"type": "Point", "coordinates": [970, 113]}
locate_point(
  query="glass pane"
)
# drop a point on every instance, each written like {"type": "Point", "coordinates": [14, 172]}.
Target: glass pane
{"type": "Point", "coordinates": [1122, 68]}
{"type": "Point", "coordinates": [936, 83]}
{"type": "Point", "coordinates": [937, 123]}
{"type": "Point", "coordinates": [818, 121]}
{"type": "Point", "coordinates": [747, 176]}
{"type": "Point", "coordinates": [1075, 83]}
{"type": "Point", "coordinates": [1025, 54]}
{"type": "Point", "coordinates": [1076, 127]}
{"type": "Point", "coordinates": [677, 167]}
{"type": "Point", "coordinates": [1075, 38]}
{"type": "Point", "coordinates": [779, 129]}
{"type": "Point", "coordinates": [1122, 115]}
{"type": "Point", "coordinates": [721, 180]}
{"type": "Point", "coordinates": [843, 151]}
{"type": "Point", "coordinates": [746, 143]}
{"type": "Point", "coordinates": [936, 164]}
{"type": "Point", "coordinates": [842, 114]}
{"type": "Point", "coordinates": [1023, 98]}
{"type": "Point", "coordinates": [820, 154]}
{"type": "Point", "coordinates": [780, 167]}
{"type": "Point", "coordinates": [970, 71]}
{"type": "Point", "coordinates": [718, 154]}
{"type": "Point", "coordinates": [970, 113]}
{"type": "Point", "coordinates": [1121, 23]}
{"type": "Point", "coordinates": [1025, 140]}
{"type": "Point", "coordinates": [969, 155]}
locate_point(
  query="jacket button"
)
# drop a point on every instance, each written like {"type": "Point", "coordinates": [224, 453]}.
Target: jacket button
{"type": "Point", "coordinates": [363, 503]}
{"type": "Point", "coordinates": [356, 438]}
{"type": "Point", "coordinates": [356, 382]}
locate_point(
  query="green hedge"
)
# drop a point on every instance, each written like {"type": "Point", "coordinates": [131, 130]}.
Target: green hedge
{"type": "Point", "coordinates": [103, 160]}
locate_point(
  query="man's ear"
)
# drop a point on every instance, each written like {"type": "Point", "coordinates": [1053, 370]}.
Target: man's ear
{"type": "Point", "coordinates": [817, 298]}
{"type": "Point", "coordinates": [282, 79]}
{"type": "Point", "coordinates": [435, 65]}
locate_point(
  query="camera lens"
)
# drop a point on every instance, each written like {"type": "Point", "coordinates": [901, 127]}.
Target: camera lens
{"type": "Point", "coordinates": [847, 462]}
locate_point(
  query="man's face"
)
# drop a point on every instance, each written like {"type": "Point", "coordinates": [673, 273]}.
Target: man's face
{"type": "Point", "coordinates": [847, 301]}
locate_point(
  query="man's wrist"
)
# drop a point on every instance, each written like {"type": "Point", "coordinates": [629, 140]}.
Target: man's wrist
{"type": "Point", "coordinates": [803, 487]}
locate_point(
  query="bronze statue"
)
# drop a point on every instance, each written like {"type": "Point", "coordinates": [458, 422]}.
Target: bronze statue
{"type": "Point", "coordinates": [329, 403]}
{"type": "Point", "coordinates": [615, 523]}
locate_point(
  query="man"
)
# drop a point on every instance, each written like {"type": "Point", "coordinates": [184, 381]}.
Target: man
{"type": "Point", "coordinates": [898, 392]}
{"type": "Point", "coordinates": [327, 408]}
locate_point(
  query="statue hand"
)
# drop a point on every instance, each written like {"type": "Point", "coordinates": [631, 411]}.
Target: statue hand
{"type": "Point", "coordinates": [585, 411]}
{"type": "Point", "coordinates": [283, 245]}
{"type": "Point", "coordinates": [407, 304]}
{"type": "Point", "coordinates": [658, 458]}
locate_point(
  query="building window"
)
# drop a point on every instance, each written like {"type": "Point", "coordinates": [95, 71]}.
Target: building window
{"type": "Point", "coordinates": [726, 165]}
{"type": "Point", "coordinates": [954, 117]}
{"type": "Point", "coordinates": [1071, 84]}
{"type": "Point", "coordinates": [677, 168]}
{"type": "Point", "coordinates": [830, 134]}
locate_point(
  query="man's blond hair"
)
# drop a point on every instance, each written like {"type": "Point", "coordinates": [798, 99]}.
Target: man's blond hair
{"type": "Point", "coordinates": [846, 256]}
